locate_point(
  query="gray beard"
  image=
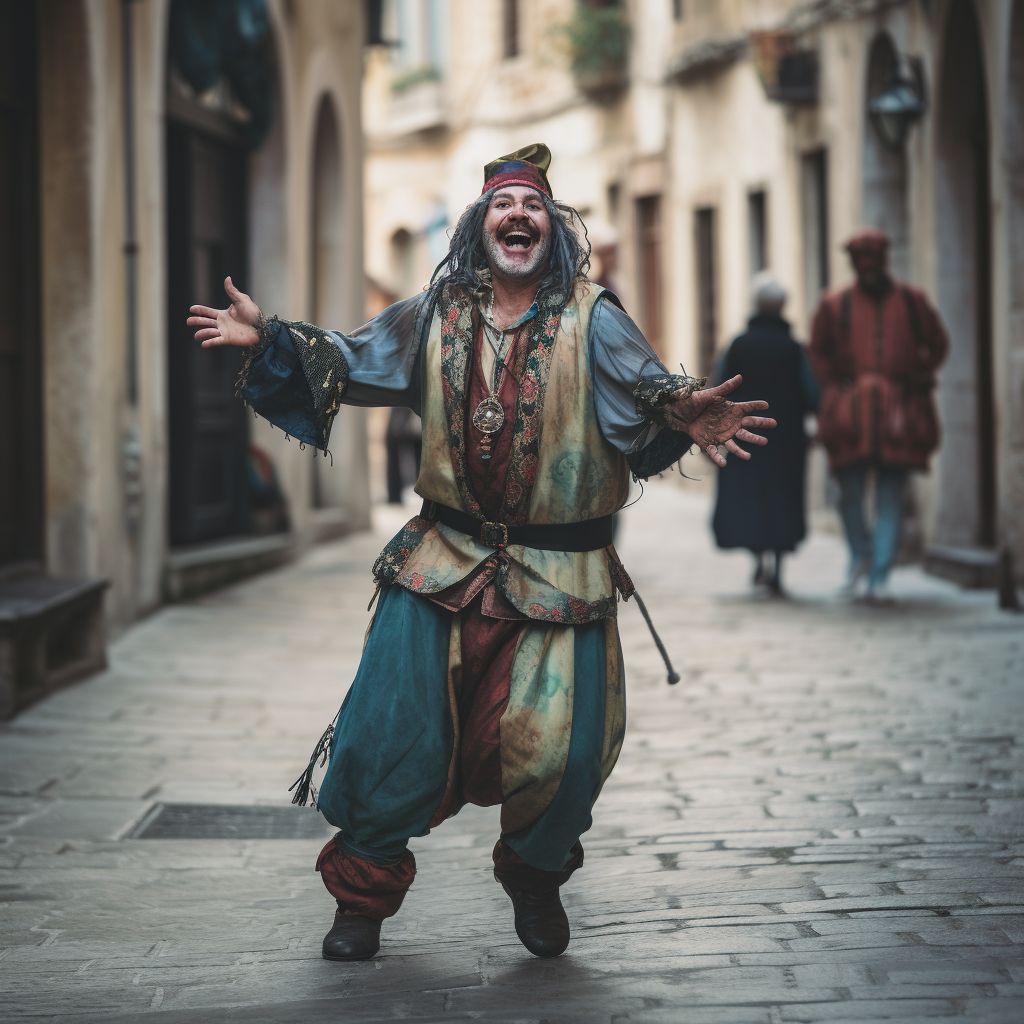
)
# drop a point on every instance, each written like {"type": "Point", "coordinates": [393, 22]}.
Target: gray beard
{"type": "Point", "coordinates": [499, 261]}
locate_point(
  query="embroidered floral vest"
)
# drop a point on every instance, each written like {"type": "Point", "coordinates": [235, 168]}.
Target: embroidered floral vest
{"type": "Point", "coordinates": [561, 469]}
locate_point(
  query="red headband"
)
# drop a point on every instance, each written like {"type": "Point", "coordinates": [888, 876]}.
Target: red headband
{"type": "Point", "coordinates": [520, 174]}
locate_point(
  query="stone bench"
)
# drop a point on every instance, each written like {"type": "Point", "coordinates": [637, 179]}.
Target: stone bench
{"type": "Point", "coordinates": [52, 632]}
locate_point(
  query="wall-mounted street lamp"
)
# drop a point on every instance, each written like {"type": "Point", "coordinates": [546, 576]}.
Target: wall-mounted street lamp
{"type": "Point", "coordinates": [895, 109]}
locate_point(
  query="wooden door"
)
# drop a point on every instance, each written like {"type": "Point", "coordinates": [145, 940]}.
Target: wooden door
{"type": "Point", "coordinates": [208, 425]}
{"type": "Point", "coordinates": [648, 221]}
{"type": "Point", "coordinates": [21, 503]}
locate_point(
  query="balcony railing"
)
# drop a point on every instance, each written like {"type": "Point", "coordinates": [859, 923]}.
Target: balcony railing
{"type": "Point", "coordinates": [599, 45]}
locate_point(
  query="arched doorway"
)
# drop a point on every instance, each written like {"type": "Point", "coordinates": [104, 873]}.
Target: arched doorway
{"type": "Point", "coordinates": [326, 271]}
{"type": "Point", "coordinates": [327, 227]}
{"type": "Point", "coordinates": [268, 207]}
{"type": "Point", "coordinates": [885, 170]}
{"type": "Point", "coordinates": [219, 89]}
{"type": "Point", "coordinates": [967, 468]}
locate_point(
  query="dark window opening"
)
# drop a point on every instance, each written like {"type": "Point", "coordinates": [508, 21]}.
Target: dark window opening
{"type": "Point", "coordinates": [374, 14]}
{"type": "Point", "coordinates": [614, 196]}
{"type": "Point", "coordinates": [757, 230]}
{"type": "Point", "coordinates": [510, 28]}
{"type": "Point", "coordinates": [814, 203]}
{"type": "Point", "coordinates": [648, 219]}
{"type": "Point", "coordinates": [707, 287]}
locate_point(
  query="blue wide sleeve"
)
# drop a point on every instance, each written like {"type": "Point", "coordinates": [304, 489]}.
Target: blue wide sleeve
{"type": "Point", "coordinates": [274, 385]}
{"type": "Point", "coordinates": [383, 356]}
{"type": "Point", "coordinates": [299, 374]}
{"type": "Point", "coordinates": [629, 382]}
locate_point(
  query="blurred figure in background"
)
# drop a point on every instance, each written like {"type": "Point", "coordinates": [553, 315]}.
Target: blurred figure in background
{"type": "Point", "coordinates": [876, 346]}
{"type": "Point", "coordinates": [760, 503]}
{"type": "Point", "coordinates": [403, 441]}
{"type": "Point", "coordinates": [268, 507]}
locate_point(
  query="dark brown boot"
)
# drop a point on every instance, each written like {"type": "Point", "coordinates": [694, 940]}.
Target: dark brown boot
{"type": "Point", "coordinates": [353, 937]}
{"type": "Point", "coordinates": [541, 923]}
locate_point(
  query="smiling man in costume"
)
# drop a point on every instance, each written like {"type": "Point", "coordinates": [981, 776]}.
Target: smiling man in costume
{"type": "Point", "coordinates": [492, 671]}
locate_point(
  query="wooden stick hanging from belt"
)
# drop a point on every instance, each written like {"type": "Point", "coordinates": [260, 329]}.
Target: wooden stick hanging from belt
{"type": "Point", "coordinates": [673, 675]}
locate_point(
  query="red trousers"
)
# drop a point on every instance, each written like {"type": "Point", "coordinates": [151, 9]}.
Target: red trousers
{"type": "Point", "coordinates": [377, 890]}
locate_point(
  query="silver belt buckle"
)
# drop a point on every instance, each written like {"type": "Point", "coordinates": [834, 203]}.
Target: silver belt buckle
{"type": "Point", "coordinates": [494, 535]}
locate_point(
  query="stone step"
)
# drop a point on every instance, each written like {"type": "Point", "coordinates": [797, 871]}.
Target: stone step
{"type": "Point", "coordinates": [976, 568]}
{"type": "Point", "coordinates": [52, 633]}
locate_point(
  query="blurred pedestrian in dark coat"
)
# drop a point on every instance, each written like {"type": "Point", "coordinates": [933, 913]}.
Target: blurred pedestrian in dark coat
{"type": "Point", "coordinates": [761, 502]}
{"type": "Point", "coordinates": [876, 346]}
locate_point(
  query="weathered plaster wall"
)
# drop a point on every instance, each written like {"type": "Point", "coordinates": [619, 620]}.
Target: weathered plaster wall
{"type": "Point", "coordinates": [67, 283]}
{"type": "Point", "coordinates": [92, 528]}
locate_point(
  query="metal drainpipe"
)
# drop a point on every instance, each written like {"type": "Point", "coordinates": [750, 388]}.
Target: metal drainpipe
{"type": "Point", "coordinates": [131, 445]}
{"type": "Point", "coordinates": [131, 243]}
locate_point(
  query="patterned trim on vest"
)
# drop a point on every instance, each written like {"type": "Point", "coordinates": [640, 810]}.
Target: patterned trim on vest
{"type": "Point", "coordinates": [390, 561]}
{"type": "Point", "coordinates": [456, 311]}
{"type": "Point", "coordinates": [551, 605]}
{"type": "Point", "coordinates": [457, 329]}
{"type": "Point", "coordinates": [573, 611]}
{"type": "Point", "coordinates": [523, 460]}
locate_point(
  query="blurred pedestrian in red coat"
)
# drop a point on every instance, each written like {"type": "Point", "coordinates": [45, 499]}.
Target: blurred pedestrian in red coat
{"type": "Point", "coordinates": [875, 347]}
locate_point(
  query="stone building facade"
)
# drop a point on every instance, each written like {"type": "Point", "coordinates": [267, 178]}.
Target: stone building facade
{"type": "Point", "coordinates": [729, 136]}
{"type": "Point", "coordinates": [151, 148]}
{"type": "Point", "coordinates": [785, 180]}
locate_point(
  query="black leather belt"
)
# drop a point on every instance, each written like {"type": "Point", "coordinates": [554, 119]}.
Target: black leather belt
{"type": "Point", "coordinates": [586, 535]}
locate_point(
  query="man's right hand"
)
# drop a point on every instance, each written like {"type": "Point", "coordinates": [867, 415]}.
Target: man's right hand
{"type": "Point", "coordinates": [235, 325]}
{"type": "Point", "coordinates": [714, 422]}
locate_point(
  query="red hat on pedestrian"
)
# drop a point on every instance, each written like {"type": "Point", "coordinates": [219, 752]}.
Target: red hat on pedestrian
{"type": "Point", "coordinates": [868, 240]}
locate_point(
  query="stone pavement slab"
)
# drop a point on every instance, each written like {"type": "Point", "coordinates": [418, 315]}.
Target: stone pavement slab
{"type": "Point", "coordinates": [823, 822]}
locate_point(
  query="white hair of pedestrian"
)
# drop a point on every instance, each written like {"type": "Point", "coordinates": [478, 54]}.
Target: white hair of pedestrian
{"type": "Point", "coordinates": [769, 296]}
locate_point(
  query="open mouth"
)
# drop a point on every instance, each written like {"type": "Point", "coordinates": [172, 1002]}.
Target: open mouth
{"type": "Point", "coordinates": [517, 240]}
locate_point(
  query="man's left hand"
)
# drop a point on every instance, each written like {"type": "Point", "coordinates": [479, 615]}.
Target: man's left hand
{"type": "Point", "coordinates": [714, 422]}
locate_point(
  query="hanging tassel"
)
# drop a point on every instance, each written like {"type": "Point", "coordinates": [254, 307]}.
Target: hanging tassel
{"type": "Point", "coordinates": [673, 675]}
{"type": "Point", "coordinates": [303, 785]}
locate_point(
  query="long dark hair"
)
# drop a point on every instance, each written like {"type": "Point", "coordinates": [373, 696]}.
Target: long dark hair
{"type": "Point", "coordinates": [568, 261]}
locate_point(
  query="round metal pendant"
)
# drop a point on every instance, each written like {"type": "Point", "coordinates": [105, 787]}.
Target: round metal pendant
{"type": "Point", "coordinates": [489, 416]}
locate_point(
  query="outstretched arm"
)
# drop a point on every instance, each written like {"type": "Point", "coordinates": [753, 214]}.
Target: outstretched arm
{"type": "Point", "coordinates": [298, 374]}
{"type": "Point", "coordinates": [654, 416]}
{"type": "Point", "coordinates": [714, 422]}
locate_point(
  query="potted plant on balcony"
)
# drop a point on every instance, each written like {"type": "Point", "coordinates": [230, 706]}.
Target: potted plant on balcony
{"type": "Point", "coordinates": [599, 44]}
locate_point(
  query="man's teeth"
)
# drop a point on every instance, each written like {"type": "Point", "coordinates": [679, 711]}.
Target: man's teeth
{"type": "Point", "coordinates": [518, 241]}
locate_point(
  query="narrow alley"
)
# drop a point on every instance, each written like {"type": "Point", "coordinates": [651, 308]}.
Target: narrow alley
{"type": "Point", "coordinates": [817, 824]}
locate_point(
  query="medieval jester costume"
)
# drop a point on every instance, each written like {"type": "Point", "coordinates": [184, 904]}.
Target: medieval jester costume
{"type": "Point", "coordinates": [492, 671]}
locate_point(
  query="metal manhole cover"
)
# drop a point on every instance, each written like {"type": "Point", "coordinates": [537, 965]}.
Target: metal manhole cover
{"type": "Point", "coordinates": [230, 821]}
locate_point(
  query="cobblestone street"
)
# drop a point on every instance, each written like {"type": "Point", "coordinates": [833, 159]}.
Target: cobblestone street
{"type": "Point", "coordinates": [823, 822]}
